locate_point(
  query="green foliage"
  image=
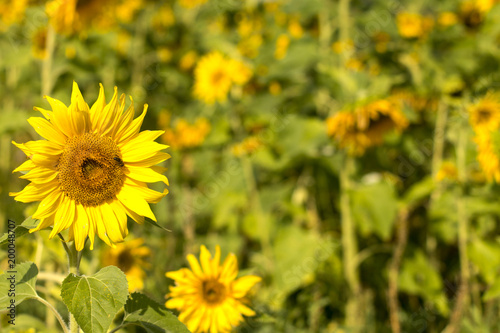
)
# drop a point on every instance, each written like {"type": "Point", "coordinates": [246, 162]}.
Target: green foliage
{"type": "Point", "coordinates": [153, 317]}
{"type": "Point", "coordinates": [20, 284]}
{"type": "Point", "coordinates": [94, 300]}
{"type": "Point", "coordinates": [375, 207]}
{"type": "Point", "coordinates": [20, 230]}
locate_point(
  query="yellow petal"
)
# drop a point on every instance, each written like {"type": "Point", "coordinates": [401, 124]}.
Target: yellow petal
{"type": "Point", "coordinates": [111, 223]}
{"type": "Point", "coordinates": [46, 130]}
{"type": "Point", "coordinates": [81, 228]}
{"type": "Point", "coordinates": [40, 175]}
{"type": "Point", "coordinates": [95, 213]}
{"type": "Point", "coordinates": [48, 205]}
{"type": "Point", "coordinates": [241, 286]}
{"type": "Point", "coordinates": [130, 198]}
{"type": "Point", "coordinates": [132, 130]}
{"type": "Point", "coordinates": [44, 223]}
{"type": "Point", "coordinates": [205, 257]}
{"type": "Point", "coordinates": [148, 194]}
{"type": "Point", "coordinates": [26, 165]}
{"type": "Point", "coordinates": [65, 216]}
{"type": "Point", "coordinates": [34, 192]}
{"type": "Point", "coordinates": [147, 175]}
{"type": "Point", "coordinates": [142, 152]}
{"type": "Point", "coordinates": [148, 162]}
{"type": "Point", "coordinates": [195, 266]}
{"type": "Point", "coordinates": [229, 268]}
{"type": "Point", "coordinates": [121, 216]}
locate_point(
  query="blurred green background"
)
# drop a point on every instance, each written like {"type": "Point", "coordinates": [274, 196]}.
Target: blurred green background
{"type": "Point", "coordinates": [400, 238]}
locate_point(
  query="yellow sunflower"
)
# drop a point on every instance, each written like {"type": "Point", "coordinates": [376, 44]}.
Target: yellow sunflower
{"type": "Point", "coordinates": [473, 12]}
{"type": "Point", "coordinates": [12, 12]}
{"type": "Point", "coordinates": [413, 25]}
{"type": "Point", "coordinates": [186, 135]}
{"type": "Point", "coordinates": [92, 169]}
{"type": "Point", "coordinates": [212, 78]}
{"type": "Point", "coordinates": [130, 257]}
{"type": "Point", "coordinates": [366, 125]}
{"type": "Point", "coordinates": [485, 115]}
{"type": "Point", "coordinates": [209, 297]}
{"type": "Point", "coordinates": [487, 156]}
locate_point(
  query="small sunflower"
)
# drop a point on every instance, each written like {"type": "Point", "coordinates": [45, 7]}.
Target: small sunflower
{"type": "Point", "coordinates": [130, 257]}
{"type": "Point", "coordinates": [92, 169]}
{"type": "Point", "coordinates": [473, 12]}
{"type": "Point", "coordinates": [209, 297]}
{"type": "Point", "coordinates": [413, 25]}
{"type": "Point", "coordinates": [366, 126]}
{"type": "Point", "coordinates": [488, 156]}
{"type": "Point", "coordinates": [485, 115]}
{"type": "Point", "coordinates": [186, 135]}
{"type": "Point", "coordinates": [212, 78]}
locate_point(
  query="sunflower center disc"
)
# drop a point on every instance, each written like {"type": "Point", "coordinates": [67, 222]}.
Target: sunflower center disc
{"type": "Point", "coordinates": [91, 171]}
{"type": "Point", "coordinates": [213, 291]}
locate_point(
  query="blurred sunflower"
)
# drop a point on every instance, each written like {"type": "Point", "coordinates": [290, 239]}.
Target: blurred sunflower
{"type": "Point", "coordinates": [212, 78]}
{"type": "Point", "coordinates": [191, 3]}
{"type": "Point", "coordinates": [366, 125]}
{"type": "Point", "coordinates": [92, 170]}
{"type": "Point", "coordinates": [130, 257]}
{"type": "Point", "coordinates": [413, 25]}
{"type": "Point", "coordinates": [473, 12]}
{"type": "Point", "coordinates": [209, 297]}
{"type": "Point", "coordinates": [70, 16]}
{"type": "Point", "coordinates": [39, 43]}
{"type": "Point", "coordinates": [185, 135]}
{"type": "Point", "coordinates": [12, 12]}
{"type": "Point", "coordinates": [488, 156]}
{"type": "Point", "coordinates": [485, 115]}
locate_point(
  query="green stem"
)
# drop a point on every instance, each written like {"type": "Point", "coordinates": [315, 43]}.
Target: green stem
{"type": "Point", "coordinates": [462, 299]}
{"type": "Point", "coordinates": [74, 258]}
{"type": "Point", "coordinates": [47, 70]}
{"type": "Point", "coordinates": [56, 313]}
{"type": "Point", "coordinates": [349, 246]}
{"type": "Point", "coordinates": [256, 206]}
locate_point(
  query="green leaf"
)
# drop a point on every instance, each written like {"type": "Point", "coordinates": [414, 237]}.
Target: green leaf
{"type": "Point", "coordinates": [485, 256]}
{"type": "Point", "coordinates": [418, 191]}
{"type": "Point", "coordinates": [95, 300]}
{"type": "Point", "coordinates": [156, 224]}
{"type": "Point", "coordinates": [493, 292]}
{"type": "Point", "coordinates": [297, 254]}
{"type": "Point", "coordinates": [152, 316]}
{"type": "Point", "coordinates": [24, 279]}
{"type": "Point", "coordinates": [419, 277]}
{"type": "Point", "coordinates": [375, 208]}
{"type": "Point", "coordinates": [20, 230]}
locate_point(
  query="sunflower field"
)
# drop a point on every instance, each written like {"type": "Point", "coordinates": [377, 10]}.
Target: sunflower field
{"type": "Point", "coordinates": [249, 166]}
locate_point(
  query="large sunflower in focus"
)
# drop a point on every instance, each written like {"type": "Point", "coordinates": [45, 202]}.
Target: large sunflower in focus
{"type": "Point", "coordinates": [92, 169]}
{"type": "Point", "coordinates": [209, 297]}
{"type": "Point", "coordinates": [366, 125]}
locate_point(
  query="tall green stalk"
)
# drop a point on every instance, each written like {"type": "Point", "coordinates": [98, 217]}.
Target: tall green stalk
{"type": "Point", "coordinates": [462, 299]}
{"type": "Point", "coordinates": [349, 246]}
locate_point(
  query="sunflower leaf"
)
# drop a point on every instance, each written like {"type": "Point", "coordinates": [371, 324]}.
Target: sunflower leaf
{"type": "Point", "coordinates": [152, 316]}
{"type": "Point", "coordinates": [19, 230]}
{"type": "Point", "coordinates": [94, 300]}
{"type": "Point", "coordinates": [156, 224]}
{"type": "Point", "coordinates": [24, 277]}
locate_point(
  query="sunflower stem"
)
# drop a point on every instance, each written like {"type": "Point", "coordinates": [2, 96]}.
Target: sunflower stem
{"type": "Point", "coordinates": [74, 258]}
{"type": "Point", "coordinates": [56, 313]}
{"type": "Point", "coordinates": [349, 246]}
{"type": "Point", "coordinates": [47, 71]}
